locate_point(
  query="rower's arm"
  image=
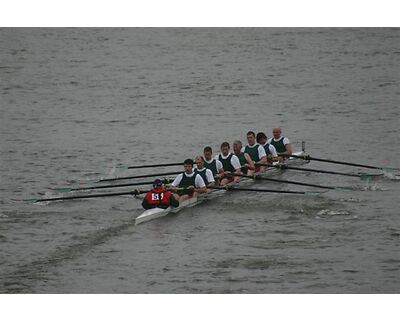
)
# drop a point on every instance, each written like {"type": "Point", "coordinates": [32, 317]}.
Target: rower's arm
{"type": "Point", "coordinates": [289, 148]}
{"type": "Point", "coordinates": [199, 186]}
{"type": "Point", "coordinates": [250, 163]}
{"type": "Point", "coordinates": [262, 154]}
{"type": "Point", "coordinates": [263, 159]}
{"type": "Point", "coordinates": [288, 151]}
{"type": "Point", "coordinates": [175, 183]}
{"type": "Point", "coordinates": [201, 190]}
{"type": "Point", "coordinates": [221, 173]}
{"type": "Point", "coordinates": [237, 172]}
{"type": "Point", "coordinates": [274, 154]}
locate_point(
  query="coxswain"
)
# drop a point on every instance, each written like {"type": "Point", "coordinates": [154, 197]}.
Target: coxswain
{"type": "Point", "coordinates": [187, 184]}
{"type": "Point", "coordinates": [282, 144]}
{"type": "Point", "coordinates": [230, 163]}
{"type": "Point", "coordinates": [205, 173]}
{"type": "Point", "coordinates": [255, 151]}
{"type": "Point", "coordinates": [213, 164]}
{"type": "Point", "coordinates": [246, 164]}
{"type": "Point", "coordinates": [159, 197]}
{"type": "Point", "coordinates": [270, 151]}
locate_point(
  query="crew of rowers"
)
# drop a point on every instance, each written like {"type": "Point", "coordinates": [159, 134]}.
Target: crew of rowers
{"type": "Point", "coordinates": [220, 170]}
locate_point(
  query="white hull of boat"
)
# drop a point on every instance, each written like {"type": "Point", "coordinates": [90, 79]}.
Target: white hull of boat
{"type": "Point", "coordinates": [155, 213]}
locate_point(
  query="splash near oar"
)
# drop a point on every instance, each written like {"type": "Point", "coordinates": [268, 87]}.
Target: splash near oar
{"type": "Point", "coordinates": [308, 157]}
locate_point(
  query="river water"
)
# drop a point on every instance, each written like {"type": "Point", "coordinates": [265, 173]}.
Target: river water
{"type": "Point", "coordinates": [76, 103]}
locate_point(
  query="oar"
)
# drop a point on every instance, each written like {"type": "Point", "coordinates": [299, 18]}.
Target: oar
{"type": "Point", "coordinates": [142, 176]}
{"type": "Point", "coordinates": [289, 182]}
{"type": "Point", "coordinates": [308, 157]}
{"type": "Point", "coordinates": [156, 165]}
{"type": "Point", "coordinates": [362, 176]}
{"type": "Point", "coordinates": [66, 189]}
{"type": "Point", "coordinates": [101, 195]}
{"type": "Point", "coordinates": [232, 188]}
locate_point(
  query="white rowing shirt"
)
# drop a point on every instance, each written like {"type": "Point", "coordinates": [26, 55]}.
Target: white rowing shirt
{"type": "Point", "coordinates": [219, 164]}
{"type": "Point", "coordinates": [199, 182]}
{"type": "Point", "coordinates": [271, 149]}
{"type": "Point", "coordinates": [209, 174]}
{"type": "Point", "coordinates": [285, 140]}
{"type": "Point", "coordinates": [234, 160]}
{"type": "Point", "coordinates": [260, 149]}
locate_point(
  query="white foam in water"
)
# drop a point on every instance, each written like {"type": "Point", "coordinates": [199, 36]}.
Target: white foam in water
{"type": "Point", "coordinates": [373, 187]}
{"type": "Point", "coordinates": [111, 173]}
{"type": "Point", "coordinates": [327, 212]}
{"type": "Point", "coordinates": [390, 175]}
{"type": "Point", "coordinates": [49, 194]}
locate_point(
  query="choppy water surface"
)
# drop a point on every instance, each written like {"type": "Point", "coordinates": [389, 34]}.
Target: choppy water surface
{"type": "Point", "coordinates": [77, 102]}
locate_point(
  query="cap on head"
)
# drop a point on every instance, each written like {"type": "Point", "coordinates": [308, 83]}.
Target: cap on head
{"type": "Point", "coordinates": [157, 183]}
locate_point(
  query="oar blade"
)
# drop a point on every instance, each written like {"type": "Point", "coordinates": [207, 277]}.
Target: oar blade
{"type": "Point", "coordinates": [29, 201]}
{"type": "Point", "coordinates": [314, 193]}
{"type": "Point", "coordinates": [343, 189]}
{"type": "Point", "coordinates": [371, 177]}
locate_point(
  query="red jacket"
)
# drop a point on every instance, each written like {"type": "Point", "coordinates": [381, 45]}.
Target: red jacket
{"type": "Point", "coordinates": [158, 197]}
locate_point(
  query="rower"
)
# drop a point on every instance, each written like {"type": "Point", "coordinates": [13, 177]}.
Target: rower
{"type": "Point", "coordinates": [282, 144]}
{"type": "Point", "coordinates": [230, 163]}
{"type": "Point", "coordinates": [189, 183]}
{"type": "Point", "coordinates": [159, 197]}
{"type": "Point", "coordinates": [255, 151]}
{"type": "Point", "coordinates": [270, 151]}
{"type": "Point", "coordinates": [246, 164]}
{"type": "Point", "coordinates": [213, 164]}
{"type": "Point", "coordinates": [205, 173]}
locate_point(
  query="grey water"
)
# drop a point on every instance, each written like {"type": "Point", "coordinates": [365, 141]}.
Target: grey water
{"type": "Point", "coordinates": [76, 103]}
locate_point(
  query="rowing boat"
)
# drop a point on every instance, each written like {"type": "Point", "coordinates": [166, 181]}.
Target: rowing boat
{"type": "Point", "coordinates": [155, 213]}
